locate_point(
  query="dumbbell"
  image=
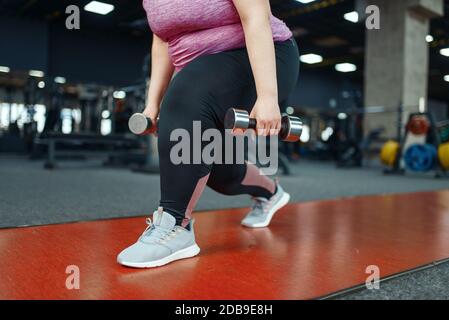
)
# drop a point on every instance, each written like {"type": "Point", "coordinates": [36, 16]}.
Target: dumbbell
{"type": "Point", "coordinates": [141, 125]}
{"type": "Point", "coordinates": [291, 127]}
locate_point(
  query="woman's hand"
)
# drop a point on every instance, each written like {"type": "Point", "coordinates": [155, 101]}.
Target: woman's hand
{"type": "Point", "coordinates": [152, 112]}
{"type": "Point", "coordinates": [268, 117]}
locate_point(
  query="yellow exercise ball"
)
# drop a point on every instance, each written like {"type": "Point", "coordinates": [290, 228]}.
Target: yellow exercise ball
{"type": "Point", "coordinates": [389, 152]}
{"type": "Point", "coordinates": [443, 155]}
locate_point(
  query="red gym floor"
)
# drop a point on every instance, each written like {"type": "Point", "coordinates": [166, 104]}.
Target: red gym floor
{"type": "Point", "coordinates": [311, 250]}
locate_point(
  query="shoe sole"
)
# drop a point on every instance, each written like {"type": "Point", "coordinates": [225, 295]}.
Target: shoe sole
{"type": "Point", "coordinates": [281, 203]}
{"type": "Point", "coordinates": [185, 253]}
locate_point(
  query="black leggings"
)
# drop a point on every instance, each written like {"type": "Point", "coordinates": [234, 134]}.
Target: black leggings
{"type": "Point", "coordinates": [203, 91]}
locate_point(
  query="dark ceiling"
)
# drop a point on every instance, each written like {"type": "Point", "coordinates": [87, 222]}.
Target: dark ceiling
{"type": "Point", "coordinates": [319, 27]}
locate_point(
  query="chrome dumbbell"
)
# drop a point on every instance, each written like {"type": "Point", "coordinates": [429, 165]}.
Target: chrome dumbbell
{"type": "Point", "coordinates": [291, 127]}
{"type": "Point", "coordinates": [141, 125]}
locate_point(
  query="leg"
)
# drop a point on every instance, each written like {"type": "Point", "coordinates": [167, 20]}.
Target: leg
{"type": "Point", "coordinates": [241, 179]}
{"type": "Point", "coordinates": [246, 179]}
{"type": "Point", "coordinates": [203, 91]}
{"type": "Point", "coordinates": [182, 184]}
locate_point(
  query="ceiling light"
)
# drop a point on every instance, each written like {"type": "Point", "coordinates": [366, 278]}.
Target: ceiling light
{"type": "Point", "coordinates": [352, 16]}
{"type": "Point", "coordinates": [60, 80]}
{"type": "Point", "coordinates": [119, 94]}
{"type": "Point", "coordinates": [305, 1]}
{"type": "Point", "coordinates": [4, 69]}
{"type": "Point", "coordinates": [327, 133]}
{"type": "Point", "coordinates": [429, 38]}
{"type": "Point", "coordinates": [345, 67]}
{"type": "Point", "coordinates": [36, 73]}
{"type": "Point", "coordinates": [446, 78]}
{"type": "Point", "coordinates": [41, 84]}
{"type": "Point", "coordinates": [311, 58]}
{"type": "Point", "coordinates": [105, 114]}
{"type": "Point", "coordinates": [445, 52]}
{"type": "Point", "coordinates": [99, 7]}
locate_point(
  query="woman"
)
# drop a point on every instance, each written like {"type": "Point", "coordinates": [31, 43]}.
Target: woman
{"type": "Point", "coordinates": [225, 53]}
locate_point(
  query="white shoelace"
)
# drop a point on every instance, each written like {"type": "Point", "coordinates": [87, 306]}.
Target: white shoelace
{"type": "Point", "coordinates": [260, 206]}
{"type": "Point", "coordinates": [157, 234]}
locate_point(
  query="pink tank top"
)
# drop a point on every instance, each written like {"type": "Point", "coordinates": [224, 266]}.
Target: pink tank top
{"type": "Point", "coordinates": [193, 28]}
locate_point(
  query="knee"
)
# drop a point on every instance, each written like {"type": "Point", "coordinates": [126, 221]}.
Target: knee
{"type": "Point", "coordinates": [181, 108]}
{"type": "Point", "coordinates": [177, 112]}
{"type": "Point", "coordinates": [222, 188]}
{"type": "Point", "coordinates": [226, 179]}
{"type": "Point", "coordinates": [176, 121]}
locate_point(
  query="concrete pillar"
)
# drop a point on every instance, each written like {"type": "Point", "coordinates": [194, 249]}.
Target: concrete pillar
{"type": "Point", "coordinates": [396, 61]}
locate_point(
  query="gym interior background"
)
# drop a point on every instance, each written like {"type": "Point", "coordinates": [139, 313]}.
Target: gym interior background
{"type": "Point", "coordinates": [368, 177]}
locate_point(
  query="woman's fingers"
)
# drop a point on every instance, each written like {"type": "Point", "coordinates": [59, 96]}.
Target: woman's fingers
{"type": "Point", "coordinates": [274, 127]}
{"type": "Point", "coordinates": [277, 127]}
{"type": "Point", "coordinates": [268, 127]}
{"type": "Point", "coordinates": [261, 125]}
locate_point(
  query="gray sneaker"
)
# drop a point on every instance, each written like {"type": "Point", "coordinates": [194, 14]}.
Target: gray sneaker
{"type": "Point", "coordinates": [263, 209]}
{"type": "Point", "coordinates": [162, 242]}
